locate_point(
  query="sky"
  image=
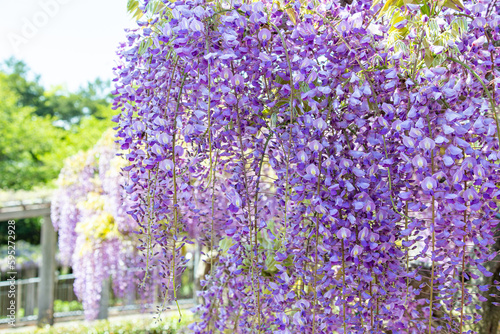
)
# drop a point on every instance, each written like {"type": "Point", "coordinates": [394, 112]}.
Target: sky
{"type": "Point", "coordinates": [66, 42]}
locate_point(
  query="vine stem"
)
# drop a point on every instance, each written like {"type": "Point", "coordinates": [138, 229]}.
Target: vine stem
{"type": "Point", "coordinates": [289, 64]}
{"type": "Point", "coordinates": [462, 301]}
{"type": "Point", "coordinates": [316, 251]}
{"type": "Point", "coordinates": [389, 179]}
{"type": "Point", "coordinates": [432, 267]}
{"type": "Point", "coordinates": [255, 213]}
{"type": "Point", "coordinates": [371, 305]}
{"type": "Point", "coordinates": [343, 287]}
{"type": "Point", "coordinates": [463, 277]}
{"type": "Point", "coordinates": [433, 226]}
{"type": "Point", "coordinates": [174, 243]}
{"type": "Point", "coordinates": [149, 214]}
{"type": "Point", "coordinates": [316, 231]}
{"type": "Point", "coordinates": [247, 201]}
{"type": "Point", "coordinates": [407, 253]}
{"type": "Point", "coordinates": [211, 176]}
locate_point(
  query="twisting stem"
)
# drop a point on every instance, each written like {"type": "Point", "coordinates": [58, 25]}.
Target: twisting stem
{"type": "Point", "coordinates": [414, 71]}
{"type": "Point", "coordinates": [463, 278]}
{"type": "Point", "coordinates": [148, 233]}
{"type": "Point", "coordinates": [432, 266]}
{"type": "Point", "coordinates": [170, 85]}
{"type": "Point", "coordinates": [149, 213]}
{"type": "Point", "coordinates": [407, 253]}
{"type": "Point", "coordinates": [390, 184]}
{"type": "Point", "coordinates": [292, 87]}
{"type": "Point", "coordinates": [371, 306]}
{"type": "Point", "coordinates": [316, 229]}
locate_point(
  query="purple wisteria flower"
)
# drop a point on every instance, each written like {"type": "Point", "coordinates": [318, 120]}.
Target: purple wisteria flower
{"type": "Point", "coordinates": [428, 184]}
{"type": "Point", "coordinates": [343, 233]}
{"type": "Point", "coordinates": [264, 34]}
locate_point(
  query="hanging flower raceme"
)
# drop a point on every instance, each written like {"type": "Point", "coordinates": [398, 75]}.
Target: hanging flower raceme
{"type": "Point", "coordinates": [339, 182]}
{"type": "Point", "coordinates": [96, 235]}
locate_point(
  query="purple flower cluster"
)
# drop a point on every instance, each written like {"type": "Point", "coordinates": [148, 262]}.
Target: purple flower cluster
{"type": "Point", "coordinates": [323, 160]}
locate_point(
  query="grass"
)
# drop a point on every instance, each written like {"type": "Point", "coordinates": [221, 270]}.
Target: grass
{"type": "Point", "coordinates": [124, 325]}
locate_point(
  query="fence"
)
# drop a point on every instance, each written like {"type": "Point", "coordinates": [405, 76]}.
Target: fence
{"type": "Point", "coordinates": [27, 297]}
{"type": "Point", "coordinates": [30, 299]}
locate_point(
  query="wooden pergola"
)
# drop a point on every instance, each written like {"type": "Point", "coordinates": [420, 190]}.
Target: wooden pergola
{"type": "Point", "coordinates": [39, 208]}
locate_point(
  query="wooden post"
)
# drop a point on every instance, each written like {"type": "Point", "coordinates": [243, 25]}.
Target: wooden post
{"type": "Point", "coordinates": [130, 297]}
{"type": "Point", "coordinates": [47, 274]}
{"type": "Point", "coordinates": [104, 301]}
{"type": "Point", "coordinates": [30, 294]}
{"type": "Point", "coordinates": [196, 281]}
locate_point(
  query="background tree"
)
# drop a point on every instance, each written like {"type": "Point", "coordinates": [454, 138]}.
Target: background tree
{"type": "Point", "coordinates": [41, 128]}
{"type": "Point", "coordinates": [66, 107]}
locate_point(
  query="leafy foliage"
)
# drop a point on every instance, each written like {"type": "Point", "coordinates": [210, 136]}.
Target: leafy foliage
{"type": "Point", "coordinates": [28, 229]}
{"type": "Point", "coordinates": [69, 108]}
{"type": "Point", "coordinates": [33, 145]}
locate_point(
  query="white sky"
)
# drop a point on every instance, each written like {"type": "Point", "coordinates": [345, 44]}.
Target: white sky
{"type": "Point", "coordinates": [67, 42]}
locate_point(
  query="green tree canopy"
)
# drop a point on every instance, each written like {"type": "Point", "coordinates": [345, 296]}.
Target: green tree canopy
{"type": "Point", "coordinates": [40, 128]}
{"type": "Point", "coordinates": [67, 107]}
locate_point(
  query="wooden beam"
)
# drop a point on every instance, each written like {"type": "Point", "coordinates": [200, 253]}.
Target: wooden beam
{"type": "Point", "coordinates": [22, 212]}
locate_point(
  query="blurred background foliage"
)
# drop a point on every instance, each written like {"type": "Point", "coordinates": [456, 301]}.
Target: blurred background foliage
{"type": "Point", "coordinates": [41, 127]}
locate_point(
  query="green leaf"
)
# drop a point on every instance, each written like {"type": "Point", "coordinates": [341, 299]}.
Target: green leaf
{"type": "Point", "coordinates": [133, 9]}
{"type": "Point", "coordinates": [425, 9]}
{"type": "Point", "coordinates": [454, 4]}
{"type": "Point", "coordinates": [389, 5]}
{"type": "Point", "coordinates": [274, 120]}
{"type": "Point", "coordinates": [292, 15]}
{"type": "Point", "coordinates": [429, 59]}
{"type": "Point", "coordinates": [225, 244]}
{"type": "Point", "coordinates": [398, 32]}
{"type": "Point", "coordinates": [145, 44]}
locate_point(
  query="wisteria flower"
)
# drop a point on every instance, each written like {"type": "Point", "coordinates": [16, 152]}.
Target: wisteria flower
{"type": "Point", "coordinates": [419, 161]}
{"type": "Point", "coordinates": [343, 233]}
{"type": "Point", "coordinates": [302, 156]}
{"type": "Point", "coordinates": [237, 80]}
{"type": "Point", "coordinates": [356, 251]}
{"type": "Point", "coordinates": [320, 124]}
{"type": "Point", "coordinates": [227, 74]}
{"type": "Point", "coordinates": [427, 144]}
{"type": "Point", "coordinates": [166, 165]}
{"type": "Point", "coordinates": [264, 34]}
{"type": "Point", "coordinates": [428, 184]}
{"type": "Point", "coordinates": [470, 194]}
{"type": "Point", "coordinates": [315, 145]}
{"type": "Point", "coordinates": [312, 170]}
